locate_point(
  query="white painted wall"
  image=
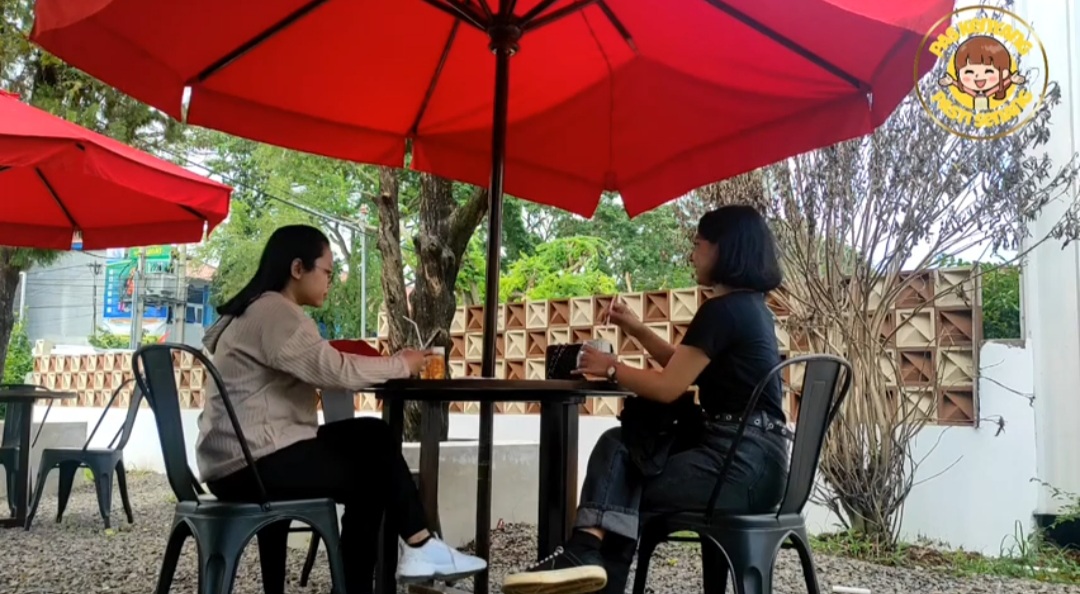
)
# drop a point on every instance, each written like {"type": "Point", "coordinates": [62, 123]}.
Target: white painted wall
{"type": "Point", "coordinates": [975, 484]}
{"type": "Point", "coordinates": [1051, 274]}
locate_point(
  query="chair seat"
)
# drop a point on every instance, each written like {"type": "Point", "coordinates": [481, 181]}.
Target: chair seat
{"type": "Point", "coordinates": [210, 506]}
{"type": "Point", "coordinates": [690, 521]}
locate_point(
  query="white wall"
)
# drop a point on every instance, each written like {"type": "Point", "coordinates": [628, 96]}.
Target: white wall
{"type": "Point", "coordinates": [1052, 272]}
{"type": "Point", "coordinates": [975, 483]}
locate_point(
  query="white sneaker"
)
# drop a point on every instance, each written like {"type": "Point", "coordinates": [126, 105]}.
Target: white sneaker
{"type": "Point", "coordinates": [436, 560]}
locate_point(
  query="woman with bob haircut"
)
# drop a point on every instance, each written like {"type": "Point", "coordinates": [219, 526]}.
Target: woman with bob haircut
{"type": "Point", "coordinates": [729, 347]}
{"type": "Point", "coordinates": [273, 360]}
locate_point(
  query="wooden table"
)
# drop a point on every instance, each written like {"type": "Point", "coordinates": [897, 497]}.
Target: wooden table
{"type": "Point", "coordinates": [22, 397]}
{"type": "Point", "coordinates": [559, 401]}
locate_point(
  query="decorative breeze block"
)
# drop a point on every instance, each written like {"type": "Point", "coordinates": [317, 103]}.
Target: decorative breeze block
{"type": "Point", "coordinates": [536, 315]}
{"type": "Point", "coordinates": [684, 304]}
{"type": "Point", "coordinates": [515, 316]}
{"type": "Point", "coordinates": [582, 313]}
{"type": "Point", "coordinates": [558, 313]}
{"type": "Point", "coordinates": [458, 323]}
{"type": "Point", "coordinates": [918, 291]}
{"type": "Point", "coordinates": [635, 302]}
{"type": "Point", "coordinates": [956, 407]}
{"type": "Point", "coordinates": [657, 307]}
{"type": "Point", "coordinates": [916, 367]}
{"type": "Point", "coordinates": [516, 345]}
{"type": "Point", "coordinates": [560, 336]}
{"type": "Point", "coordinates": [474, 318]}
{"type": "Point", "coordinates": [956, 287]}
{"type": "Point", "coordinates": [383, 325]}
{"type": "Point", "coordinates": [956, 367]}
{"type": "Point", "coordinates": [955, 327]}
{"type": "Point", "coordinates": [474, 346]}
{"type": "Point", "coordinates": [915, 329]}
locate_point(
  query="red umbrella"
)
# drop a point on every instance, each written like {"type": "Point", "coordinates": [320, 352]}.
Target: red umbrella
{"type": "Point", "coordinates": [648, 99]}
{"type": "Point", "coordinates": [58, 178]}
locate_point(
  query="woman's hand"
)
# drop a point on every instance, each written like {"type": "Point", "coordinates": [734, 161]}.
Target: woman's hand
{"type": "Point", "coordinates": [618, 314]}
{"type": "Point", "coordinates": [594, 362]}
{"type": "Point", "coordinates": [414, 359]}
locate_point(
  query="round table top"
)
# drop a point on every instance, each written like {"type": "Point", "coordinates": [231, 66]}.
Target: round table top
{"type": "Point", "coordinates": [479, 389]}
{"type": "Point", "coordinates": [24, 392]}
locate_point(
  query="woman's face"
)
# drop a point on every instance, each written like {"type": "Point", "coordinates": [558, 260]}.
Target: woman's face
{"type": "Point", "coordinates": [703, 258]}
{"type": "Point", "coordinates": [311, 287]}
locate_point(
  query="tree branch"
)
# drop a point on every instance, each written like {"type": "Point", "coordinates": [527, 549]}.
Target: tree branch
{"type": "Point", "coordinates": [465, 219]}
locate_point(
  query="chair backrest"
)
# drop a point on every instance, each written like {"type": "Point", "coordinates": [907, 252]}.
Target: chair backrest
{"type": "Point", "coordinates": [153, 368]}
{"type": "Point", "coordinates": [124, 433]}
{"type": "Point", "coordinates": [12, 422]}
{"type": "Point", "coordinates": [337, 405]}
{"type": "Point", "coordinates": [822, 395]}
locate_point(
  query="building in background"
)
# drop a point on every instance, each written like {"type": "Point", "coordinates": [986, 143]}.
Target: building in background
{"type": "Point", "coordinates": [87, 293]}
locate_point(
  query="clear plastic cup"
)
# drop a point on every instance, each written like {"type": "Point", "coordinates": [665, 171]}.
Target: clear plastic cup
{"type": "Point", "coordinates": [434, 367]}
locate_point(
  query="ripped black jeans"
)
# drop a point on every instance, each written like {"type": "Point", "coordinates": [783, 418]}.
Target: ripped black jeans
{"type": "Point", "coordinates": [615, 493]}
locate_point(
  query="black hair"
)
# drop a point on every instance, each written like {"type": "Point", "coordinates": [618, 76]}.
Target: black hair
{"type": "Point", "coordinates": [746, 254]}
{"type": "Point", "coordinates": [286, 244]}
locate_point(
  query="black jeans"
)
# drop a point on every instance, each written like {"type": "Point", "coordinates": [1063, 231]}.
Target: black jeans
{"type": "Point", "coordinates": [615, 494]}
{"type": "Point", "coordinates": [354, 463]}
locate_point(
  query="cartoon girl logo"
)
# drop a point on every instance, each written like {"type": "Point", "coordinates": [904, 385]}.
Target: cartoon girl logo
{"type": "Point", "coordinates": [979, 93]}
{"type": "Point", "coordinates": [984, 71]}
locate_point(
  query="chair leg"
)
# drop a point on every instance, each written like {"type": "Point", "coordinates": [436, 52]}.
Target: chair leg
{"type": "Point", "coordinates": [216, 572]}
{"type": "Point", "coordinates": [121, 482]}
{"type": "Point", "coordinates": [67, 478]}
{"type": "Point", "coordinates": [801, 543]}
{"type": "Point", "coordinates": [273, 553]}
{"type": "Point", "coordinates": [103, 486]}
{"type": "Point", "coordinates": [334, 556]}
{"type": "Point", "coordinates": [10, 477]}
{"type": "Point", "coordinates": [645, 551]}
{"type": "Point", "coordinates": [751, 562]}
{"type": "Point", "coordinates": [714, 568]}
{"type": "Point", "coordinates": [309, 561]}
{"type": "Point", "coordinates": [39, 489]}
{"type": "Point", "coordinates": [175, 546]}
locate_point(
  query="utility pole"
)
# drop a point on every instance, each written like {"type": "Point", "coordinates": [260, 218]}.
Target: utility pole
{"type": "Point", "coordinates": [137, 300]}
{"type": "Point", "coordinates": [95, 269]}
{"type": "Point", "coordinates": [363, 270]}
{"type": "Point", "coordinates": [181, 293]}
{"type": "Point", "coordinates": [23, 278]}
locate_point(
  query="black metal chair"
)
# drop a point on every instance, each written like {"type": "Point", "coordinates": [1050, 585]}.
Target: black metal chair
{"type": "Point", "coordinates": [222, 530]}
{"type": "Point", "coordinates": [102, 462]}
{"type": "Point", "coordinates": [746, 545]}
{"type": "Point", "coordinates": [9, 451]}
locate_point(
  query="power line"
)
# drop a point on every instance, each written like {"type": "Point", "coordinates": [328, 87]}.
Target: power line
{"type": "Point", "coordinates": [354, 226]}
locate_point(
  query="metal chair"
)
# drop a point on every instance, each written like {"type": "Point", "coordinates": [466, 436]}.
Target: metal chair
{"type": "Point", "coordinates": [746, 545]}
{"type": "Point", "coordinates": [221, 530]}
{"type": "Point", "coordinates": [9, 451]}
{"type": "Point", "coordinates": [102, 462]}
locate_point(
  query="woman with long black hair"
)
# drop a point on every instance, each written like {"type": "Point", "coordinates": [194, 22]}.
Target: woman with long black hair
{"type": "Point", "coordinates": [272, 360]}
{"type": "Point", "coordinates": [729, 347]}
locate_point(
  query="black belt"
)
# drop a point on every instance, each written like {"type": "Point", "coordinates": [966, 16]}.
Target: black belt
{"type": "Point", "coordinates": [759, 420]}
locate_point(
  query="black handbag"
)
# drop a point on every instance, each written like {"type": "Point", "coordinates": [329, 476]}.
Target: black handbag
{"type": "Point", "coordinates": [651, 429]}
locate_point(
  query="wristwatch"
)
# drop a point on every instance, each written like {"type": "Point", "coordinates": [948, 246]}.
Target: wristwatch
{"type": "Point", "coordinates": [611, 373]}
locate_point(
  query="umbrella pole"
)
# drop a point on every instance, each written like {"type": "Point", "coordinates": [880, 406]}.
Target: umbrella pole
{"type": "Point", "coordinates": [504, 40]}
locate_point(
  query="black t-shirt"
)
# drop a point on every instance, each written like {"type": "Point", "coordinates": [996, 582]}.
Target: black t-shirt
{"type": "Point", "coordinates": [736, 331]}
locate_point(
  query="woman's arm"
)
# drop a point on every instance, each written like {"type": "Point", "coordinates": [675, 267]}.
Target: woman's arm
{"type": "Point", "coordinates": [306, 355]}
{"type": "Point", "coordinates": [667, 384]}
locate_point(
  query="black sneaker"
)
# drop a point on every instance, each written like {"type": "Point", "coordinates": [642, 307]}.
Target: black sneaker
{"type": "Point", "coordinates": [562, 572]}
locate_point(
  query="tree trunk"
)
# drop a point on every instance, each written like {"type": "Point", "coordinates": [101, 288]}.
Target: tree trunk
{"type": "Point", "coordinates": [9, 280]}
{"type": "Point", "coordinates": [443, 235]}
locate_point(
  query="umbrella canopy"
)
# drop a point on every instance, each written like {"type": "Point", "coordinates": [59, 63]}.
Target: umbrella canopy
{"type": "Point", "coordinates": [650, 99]}
{"type": "Point", "coordinates": [57, 178]}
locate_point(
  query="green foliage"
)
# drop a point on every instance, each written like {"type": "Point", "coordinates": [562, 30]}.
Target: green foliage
{"type": "Point", "coordinates": [20, 356]}
{"type": "Point", "coordinates": [1001, 302]}
{"type": "Point", "coordinates": [277, 187]}
{"type": "Point", "coordinates": [106, 340]}
{"type": "Point", "coordinates": [1028, 556]}
{"type": "Point", "coordinates": [563, 267]}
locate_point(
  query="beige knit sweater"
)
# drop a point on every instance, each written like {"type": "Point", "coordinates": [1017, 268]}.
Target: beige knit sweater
{"type": "Point", "coordinates": [271, 360]}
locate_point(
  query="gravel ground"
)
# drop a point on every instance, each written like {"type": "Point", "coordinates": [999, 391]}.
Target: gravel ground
{"type": "Point", "coordinates": [79, 557]}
